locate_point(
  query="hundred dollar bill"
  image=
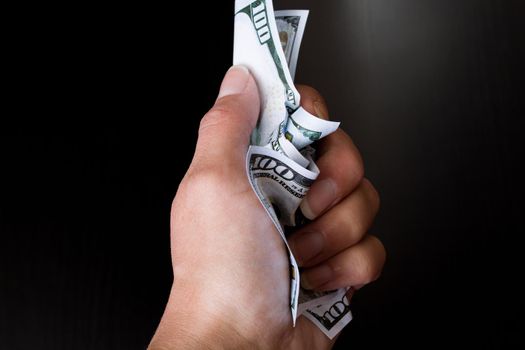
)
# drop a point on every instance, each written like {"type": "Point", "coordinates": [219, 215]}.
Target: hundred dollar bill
{"type": "Point", "coordinates": [331, 313]}
{"type": "Point", "coordinates": [280, 185]}
{"type": "Point", "coordinates": [291, 25]}
{"type": "Point", "coordinates": [280, 163]}
{"type": "Point", "coordinates": [303, 128]}
{"type": "Point", "coordinates": [257, 46]}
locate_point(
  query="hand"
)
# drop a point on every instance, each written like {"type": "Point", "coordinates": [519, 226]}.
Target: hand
{"type": "Point", "coordinates": [231, 276]}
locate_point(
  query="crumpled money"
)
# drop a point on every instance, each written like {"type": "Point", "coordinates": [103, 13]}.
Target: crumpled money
{"type": "Point", "coordinates": [280, 161]}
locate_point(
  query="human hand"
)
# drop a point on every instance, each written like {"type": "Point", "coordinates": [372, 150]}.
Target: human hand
{"type": "Point", "coordinates": [231, 270]}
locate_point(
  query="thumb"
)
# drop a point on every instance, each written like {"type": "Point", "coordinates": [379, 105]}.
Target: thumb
{"type": "Point", "coordinates": [225, 130]}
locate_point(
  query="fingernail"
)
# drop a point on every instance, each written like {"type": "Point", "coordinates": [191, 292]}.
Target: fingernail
{"type": "Point", "coordinates": [235, 81]}
{"type": "Point", "coordinates": [320, 196]}
{"type": "Point", "coordinates": [307, 246]}
{"type": "Point", "coordinates": [320, 110]}
{"type": "Point", "coordinates": [316, 277]}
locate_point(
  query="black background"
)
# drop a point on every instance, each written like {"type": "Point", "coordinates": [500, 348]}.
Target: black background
{"type": "Point", "coordinates": [107, 103]}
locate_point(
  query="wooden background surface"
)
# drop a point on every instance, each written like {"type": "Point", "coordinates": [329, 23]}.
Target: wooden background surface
{"type": "Point", "coordinates": [431, 91]}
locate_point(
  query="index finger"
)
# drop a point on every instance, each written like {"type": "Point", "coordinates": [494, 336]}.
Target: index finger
{"type": "Point", "coordinates": [313, 101]}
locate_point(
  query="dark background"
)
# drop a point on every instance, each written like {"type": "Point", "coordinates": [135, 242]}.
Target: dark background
{"type": "Point", "coordinates": [431, 91]}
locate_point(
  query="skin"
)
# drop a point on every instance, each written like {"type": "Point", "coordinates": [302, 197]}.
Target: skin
{"type": "Point", "coordinates": [231, 282]}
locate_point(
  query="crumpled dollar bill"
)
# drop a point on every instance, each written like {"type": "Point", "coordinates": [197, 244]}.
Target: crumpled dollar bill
{"type": "Point", "coordinates": [280, 161]}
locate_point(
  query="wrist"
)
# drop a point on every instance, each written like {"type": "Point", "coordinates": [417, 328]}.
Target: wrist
{"type": "Point", "coordinates": [177, 332]}
{"type": "Point", "coordinates": [190, 322]}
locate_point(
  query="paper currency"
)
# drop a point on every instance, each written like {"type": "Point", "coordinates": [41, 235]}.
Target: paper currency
{"type": "Point", "coordinates": [280, 185]}
{"type": "Point", "coordinates": [257, 48]}
{"type": "Point", "coordinates": [331, 313]}
{"type": "Point", "coordinates": [291, 25]}
{"type": "Point", "coordinates": [302, 128]}
{"type": "Point", "coordinates": [280, 163]}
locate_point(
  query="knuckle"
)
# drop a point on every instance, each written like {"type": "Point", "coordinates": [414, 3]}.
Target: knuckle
{"type": "Point", "coordinates": [200, 183]}
{"type": "Point", "coordinates": [351, 151]}
{"type": "Point", "coordinates": [356, 167]}
{"type": "Point", "coordinates": [205, 176]}
{"type": "Point", "coordinates": [349, 172]}
{"type": "Point", "coordinates": [213, 118]}
{"type": "Point", "coordinates": [364, 273]}
{"type": "Point", "coordinates": [311, 92]}
{"type": "Point", "coordinates": [372, 194]}
{"type": "Point", "coordinates": [354, 229]}
{"type": "Point", "coordinates": [357, 213]}
{"type": "Point", "coordinates": [220, 114]}
{"type": "Point", "coordinates": [380, 256]}
{"type": "Point", "coordinates": [369, 264]}
{"type": "Point", "coordinates": [205, 179]}
{"type": "Point", "coordinates": [342, 162]}
{"type": "Point", "coordinates": [352, 163]}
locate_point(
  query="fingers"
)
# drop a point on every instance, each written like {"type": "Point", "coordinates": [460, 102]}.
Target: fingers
{"type": "Point", "coordinates": [356, 266]}
{"type": "Point", "coordinates": [340, 164]}
{"type": "Point", "coordinates": [332, 247]}
{"type": "Point", "coordinates": [338, 229]}
{"type": "Point", "coordinates": [225, 130]}
{"type": "Point", "coordinates": [341, 171]}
